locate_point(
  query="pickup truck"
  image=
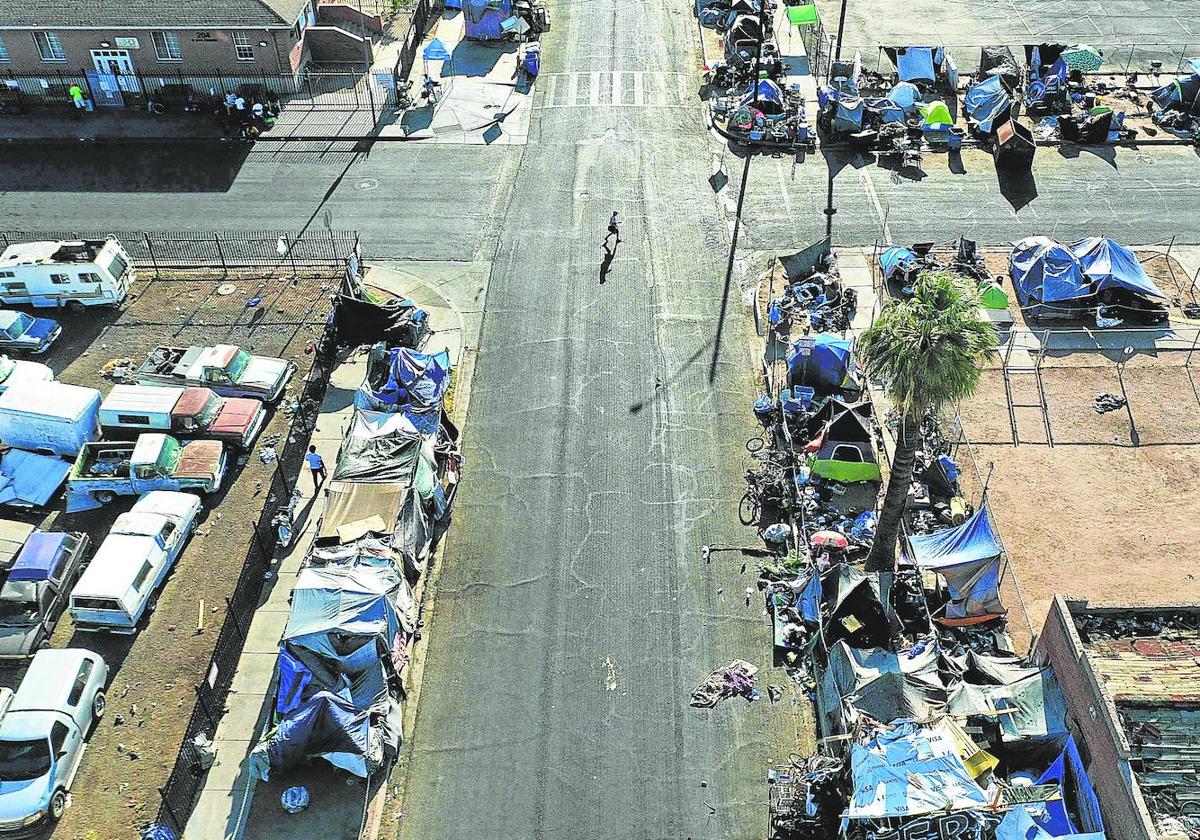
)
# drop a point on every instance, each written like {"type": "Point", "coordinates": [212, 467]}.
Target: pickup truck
{"type": "Point", "coordinates": [105, 470]}
{"type": "Point", "coordinates": [183, 412]}
{"type": "Point", "coordinates": [227, 369]}
{"type": "Point", "coordinates": [42, 735]}
{"type": "Point", "coordinates": [17, 371]}
{"type": "Point", "coordinates": [35, 594]}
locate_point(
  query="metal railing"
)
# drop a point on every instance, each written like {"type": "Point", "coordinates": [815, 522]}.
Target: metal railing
{"type": "Point", "coordinates": [424, 11]}
{"type": "Point", "coordinates": [212, 249]}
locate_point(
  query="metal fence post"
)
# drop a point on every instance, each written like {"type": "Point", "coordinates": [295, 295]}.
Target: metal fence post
{"type": "Point", "coordinates": [221, 254]}
{"type": "Point", "coordinates": [150, 248]}
{"type": "Point", "coordinates": [291, 256]}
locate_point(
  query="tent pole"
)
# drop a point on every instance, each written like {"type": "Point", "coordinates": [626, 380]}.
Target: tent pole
{"type": "Point", "coordinates": [841, 28]}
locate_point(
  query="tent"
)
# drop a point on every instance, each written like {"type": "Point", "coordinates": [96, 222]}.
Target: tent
{"type": "Point", "coordinates": [766, 96]}
{"type": "Point", "coordinates": [935, 114]}
{"type": "Point", "coordinates": [1055, 817]}
{"type": "Point", "coordinates": [992, 296]}
{"type": "Point", "coordinates": [402, 380]}
{"type": "Point", "coordinates": [914, 64]}
{"type": "Point", "coordinates": [847, 452]}
{"type": "Point", "coordinates": [1108, 264]}
{"type": "Point", "coordinates": [910, 769]}
{"type": "Point", "coordinates": [968, 558]}
{"type": "Point", "coordinates": [987, 103]}
{"type": "Point", "coordinates": [851, 606]}
{"type": "Point", "coordinates": [746, 28]}
{"type": "Point", "coordinates": [325, 725]}
{"type": "Point", "coordinates": [880, 683]}
{"type": "Point", "coordinates": [436, 51]}
{"type": "Point", "coordinates": [1044, 271]}
{"type": "Point", "coordinates": [896, 258]}
{"type": "Point", "coordinates": [482, 18]}
{"type": "Point", "coordinates": [383, 447]}
{"type": "Point", "coordinates": [906, 95]}
{"type": "Point", "coordinates": [848, 116]}
{"type": "Point", "coordinates": [823, 362]}
{"type": "Point", "coordinates": [888, 111]}
{"type": "Point", "coordinates": [1183, 94]}
{"type": "Point", "coordinates": [999, 61]}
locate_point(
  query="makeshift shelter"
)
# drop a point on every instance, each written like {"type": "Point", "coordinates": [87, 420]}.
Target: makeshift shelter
{"type": "Point", "coordinates": [381, 447]}
{"type": "Point", "coordinates": [896, 258]}
{"type": "Point", "coordinates": [362, 317]}
{"type": "Point", "coordinates": [746, 28]}
{"type": "Point", "coordinates": [28, 479]}
{"type": "Point", "coordinates": [482, 18]}
{"type": "Point", "coordinates": [766, 96]}
{"type": "Point", "coordinates": [1183, 94]}
{"type": "Point", "coordinates": [910, 769]}
{"type": "Point", "coordinates": [999, 62]}
{"type": "Point", "coordinates": [1084, 815]}
{"type": "Point", "coordinates": [847, 452]}
{"type": "Point", "coordinates": [987, 104]}
{"type": "Point", "coordinates": [914, 64]}
{"type": "Point", "coordinates": [823, 362]}
{"type": "Point", "coordinates": [1111, 265]}
{"type": "Point", "coordinates": [848, 116]}
{"type": "Point", "coordinates": [880, 683]}
{"type": "Point", "coordinates": [905, 95]}
{"type": "Point", "coordinates": [968, 558]}
{"type": "Point", "coordinates": [851, 607]}
{"type": "Point", "coordinates": [402, 380]}
{"type": "Point", "coordinates": [1093, 128]}
{"type": "Point", "coordinates": [1045, 272]}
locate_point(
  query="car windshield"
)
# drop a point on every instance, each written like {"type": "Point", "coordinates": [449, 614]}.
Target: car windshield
{"type": "Point", "coordinates": [237, 365]}
{"type": "Point", "coordinates": [22, 761]}
{"type": "Point", "coordinates": [208, 413]}
{"type": "Point", "coordinates": [15, 613]}
{"type": "Point", "coordinates": [16, 324]}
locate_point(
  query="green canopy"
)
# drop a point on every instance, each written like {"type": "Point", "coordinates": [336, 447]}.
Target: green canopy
{"type": "Point", "coordinates": [805, 15]}
{"type": "Point", "coordinates": [935, 113]}
{"type": "Point", "coordinates": [991, 296]}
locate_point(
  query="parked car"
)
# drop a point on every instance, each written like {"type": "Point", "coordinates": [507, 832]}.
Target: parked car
{"type": "Point", "coordinates": [198, 413]}
{"type": "Point", "coordinates": [105, 470]}
{"type": "Point", "coordinates": [18, 372]}
{"type": "Point", "coordinates": [42, 734]}
{"type": "Point", "coordinates": [52, 418]}
{"type": "Point", "coordinates": [133, 561]}
{"type": "Point", "coordinates": [26, 333]}
{"type": "Point", "coordinates": [36, 591]}
{"type": "Point", "coordinates": [227, 369]}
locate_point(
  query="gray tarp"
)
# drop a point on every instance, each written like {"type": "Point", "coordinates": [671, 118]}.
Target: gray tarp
{"type": "Point", "coordinates": [879, 683]}
{"type": "Point", "coordinates": [381, 447]}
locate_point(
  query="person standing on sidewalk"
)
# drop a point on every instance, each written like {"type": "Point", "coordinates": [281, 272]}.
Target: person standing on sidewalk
{"type": "Point", "coordinates": [317, 464]}
{"type": "Point", "coordinates": [78, 98]}
{"type": "Point", "coordinates": [613, 230]}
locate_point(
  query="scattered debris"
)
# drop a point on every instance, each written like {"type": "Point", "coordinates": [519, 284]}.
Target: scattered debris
{"type": "Point", "coordinates": [295, 799]}
{"type": "Point", "coordinates": [733, 680]}
{"type": "Point", "coordinates": [1108, 402]}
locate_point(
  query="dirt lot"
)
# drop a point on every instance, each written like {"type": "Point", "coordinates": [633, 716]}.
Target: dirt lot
{"type": "Point", "coordinates": [151, 689]}
{"type": "Point", "coordinates": [1095, 515]}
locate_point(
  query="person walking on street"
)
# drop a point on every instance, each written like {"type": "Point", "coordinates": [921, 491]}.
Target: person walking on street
{"type": "Point", "coordinates": [613, 230]}
{"type": "Point", "coordinates": [317, 464]}
{"type": "Point", "coordinates": [78, 98]}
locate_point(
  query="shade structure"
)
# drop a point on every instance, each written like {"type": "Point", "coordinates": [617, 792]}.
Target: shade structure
{"type": "Point", "coordinates": [968, 558]}
{"type": "Point", "coordinates": [805, 15]}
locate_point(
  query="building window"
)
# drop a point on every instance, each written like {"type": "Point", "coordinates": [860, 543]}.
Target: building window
{"type": "Point", "coordinates": [3, 51]}
{"type": "Point", "coordinates": [49, 47]}
{"type": "Point", "coordinates": [241, 45]}
{"type": "Point", "coordinates": [166, 47]}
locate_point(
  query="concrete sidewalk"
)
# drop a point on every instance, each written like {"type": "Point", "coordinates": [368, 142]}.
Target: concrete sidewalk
{"type": "Point", "coordinates": [224, 804]}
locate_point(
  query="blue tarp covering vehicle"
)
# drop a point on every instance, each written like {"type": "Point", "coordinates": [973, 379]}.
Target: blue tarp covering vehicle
{"type": "Point", "coordinates": [30, 480]}
{"type": "Point", "coordinates": [896, 258]}
{"type": "Point", "coordinates": [823, 362]}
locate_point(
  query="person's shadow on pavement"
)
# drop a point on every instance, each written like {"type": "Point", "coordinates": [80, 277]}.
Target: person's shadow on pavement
{"type": "Point", "coordinates": [606, 261]}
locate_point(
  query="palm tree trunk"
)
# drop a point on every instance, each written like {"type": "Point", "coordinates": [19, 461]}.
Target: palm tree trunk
{"type": "Point", "coordinates": [883, 551]}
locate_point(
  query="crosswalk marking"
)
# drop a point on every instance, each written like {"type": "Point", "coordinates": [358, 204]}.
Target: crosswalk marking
{"type": "Point", "coordinates": [617, 88]}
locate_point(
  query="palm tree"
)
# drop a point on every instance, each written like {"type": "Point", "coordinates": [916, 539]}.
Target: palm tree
{"type": "Point", "coordinates": [927, 352]}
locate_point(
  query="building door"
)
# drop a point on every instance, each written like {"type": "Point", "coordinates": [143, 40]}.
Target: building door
{"type": "Point", "coordinates": [117, 63]}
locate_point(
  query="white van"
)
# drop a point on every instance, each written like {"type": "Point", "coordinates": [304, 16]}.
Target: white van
{"type": "Point", "coordinates": [130, 565]}
{"type": "Point", "coordinates": [87, 272]}
{"type": "Point", "coordinates": [52, 418]}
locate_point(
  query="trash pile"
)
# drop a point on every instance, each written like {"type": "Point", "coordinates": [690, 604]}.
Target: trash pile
{"type": "Point", "coordinates": [353, 614]}
{"type": "Point", "coordinates": [930, 724]}
{"type": "Point", "coordinates": [752, 97]}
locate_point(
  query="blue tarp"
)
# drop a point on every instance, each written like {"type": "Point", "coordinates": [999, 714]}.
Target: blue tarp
{"type": "Point", "coordinates": [1068, 772]}
{"type": "Point", "coordinates": [325, 723]}
{"type": "Point", "coordinates": [915, 64]}
{"type": "Point", "coordinates": [294, 676]}
{"type": "Point", "coordinates": [1108, 264]}
{"type": "Point", "coordinates": [889, 112]}
{"type": "Point", "coordinates": [40, 556]}
{"type": "Point", "coordinates": [985, 102]}
{"type": "Point", "coordinates": [1044, 271]}
{"type": "Point", "coordinates": [906, 96]}
{"type": "Point", "coordinates": [970, 542]}
{"type": "Point", "coordinates": [1183, 94]}
{"type": "Point", "coordinates": [30, 480]}
{"type": "Point", "coordinates": [767, 90]}
{"type": "Point", "coordinates": [482, 18]}
{"type": "Point", "coordinates": [822, 362]}
{"type": "Point", "coordinates": [895, 259]}
{"type": "Point", "coordinates": [415, 386]}
{"type": "Point", "coordinates": [436, 51]}
{"type": "Point", "coordinates": [849, 115]}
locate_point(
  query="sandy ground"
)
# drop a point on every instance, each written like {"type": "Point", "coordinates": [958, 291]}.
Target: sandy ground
{"type": "Point", "coordinates": [1095, 515]}
{"type": "Point", "coordinates": [115, 792]}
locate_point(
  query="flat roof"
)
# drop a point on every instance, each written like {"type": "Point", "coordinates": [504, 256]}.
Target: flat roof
{"type": "Point", "coordinates": [29, 253]}
{"type": "Point", "coordinates": [49, 399]}
{"type": "Point", "coordinates": [147, 398]}
{"type": "Point", "coordinates": [49, 679]}
{"type": "Point", "coordinates": [115, 565]}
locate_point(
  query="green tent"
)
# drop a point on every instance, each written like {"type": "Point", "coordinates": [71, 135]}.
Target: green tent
{"type": "Point", "coordinates": [991, 296]}
{"type": "Point", "coordinates": [847, 451]}
{"type": "Point", "coordinates": [805, 15]}
{"type": "Point", "coordinates": [935, 113]}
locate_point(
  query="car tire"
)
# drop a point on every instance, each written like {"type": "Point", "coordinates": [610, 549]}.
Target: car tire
{"type": "Point", "coordinates": [75, 307]}
{"type": "Point", "coordinates": [99, 704]}
{"type": "Point", "coordinates": [105, 497]}
{"type": "Point", "coordinates": [58, 805]}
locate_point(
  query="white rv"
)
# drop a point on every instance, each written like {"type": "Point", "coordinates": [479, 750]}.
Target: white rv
{"type": "Point", "coordinates": [91, 272]}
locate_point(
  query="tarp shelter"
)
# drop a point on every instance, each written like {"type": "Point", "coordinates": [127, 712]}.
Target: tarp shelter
{"type": "Point", "coordinates": [325, 725]}
{"type": "Point", "coordinates": [28, 479]}
{"type": "Point", "coordinates": [1108, 264]}
{"type": "Point", "coordinates": [435, 50]}
{"type": "Point", "coordinates": [880, 683]}
{"type": "Point", "coordinates": [1055, 817]}
{"type": "Point", "coordinates": [968, 558]}
{"type": "Point", "coordinates": [914, 64]}
{"type": "Point", "coordinates": [847, 451]}
{"type": "Point", "coordinates": [1183, 94]}
{"type": "Point", "coordinates": [896, 258]}
{"type": "Point", "coordinates": [1043, 271]}
{"type": "Point", "coordinates": [823, 362]}
{"type": "Point", "coordinates": [987, 103]}
{"type": "Point", "coordinates": [402, 380]}
{"type": "Point", "coordinates": [905, 95]}
{"type": "Point", "coordinates": [910, 769]}
{"type": "Point", "coordinates": [745, 28]}
{"type": "Point", "coordinates": [482, 18]}
{"type": "Point", "coordinates": [383, 447]}
{"type": "Point", "coordinates": [999, 61]}
{"type": "Point", "coordinates": [848, 116]}
{"type": "Point", "coordinates": [805, 15]}
{"type": "Point", "coordinates": [851, 606]}
{"type": "Point", "coordinates": [766, 96]}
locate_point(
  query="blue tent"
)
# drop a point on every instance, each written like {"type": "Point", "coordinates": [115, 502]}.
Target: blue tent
{"type": "Point", "coordinates": [822, 362]}
{"type": "Point", "coordinates": [849, 115]}
{"type": "Point", "coordinates": [325, 724]}
{"type": "Point", "coordinates": [889, 111]}
{"type": "Point", "coordinates": [968, 558]}
{"type": "Point", "coordinates": [896, 259]}
{"type": "Point", "coordinates": [482, 18]}
{"type": "Point", "coordinates": [436, 51]}
{"type": "Point", "coordinates": [985, 103]}
{"type": "Point", "coordinates": [906, 96]}
{"type": "Point", "coordinates": [1043, 271]}
{"type": "Point", "coordinates": [770, 97]}
{"type": "Point", "coordinates": [1067, 771]}
{"type": "Point", "coordinates": [1108, 264]}
{"type": "Point", "coordinates": [915, 64]}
